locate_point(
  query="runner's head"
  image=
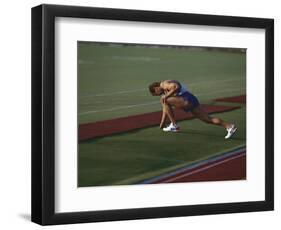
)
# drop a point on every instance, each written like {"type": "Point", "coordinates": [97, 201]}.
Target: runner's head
{"type": "Point", "coordinates": [155, 89]}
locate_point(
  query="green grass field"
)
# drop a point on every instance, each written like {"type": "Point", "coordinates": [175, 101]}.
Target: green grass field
{"type": "Point", "coordinates": [113, 83]}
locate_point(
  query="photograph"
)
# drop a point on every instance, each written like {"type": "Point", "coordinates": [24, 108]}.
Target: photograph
{"type": "Point", "coordinates": [141, 114]}
{"type": "Point", "coordinates": [155, 114]}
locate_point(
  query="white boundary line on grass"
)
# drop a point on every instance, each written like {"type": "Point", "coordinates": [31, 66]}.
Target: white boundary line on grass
{"type": "Point", "coordinates": [119, 107]}
{"type": "Point", "coordinates": [144, 89]}
{"type": "Point", "coordinates": [151, 103]}
{"type": "Point", "coordinates": [113, 93]}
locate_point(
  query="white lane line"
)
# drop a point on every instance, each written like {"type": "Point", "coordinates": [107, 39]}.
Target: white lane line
{"type": "Point", "coordinates": [145, 89]}
{"type": "Point", "coordinates": [134, 58]}
{"type": "Point", "coordinates": [112, 93]}
{"type": "Point", "coordinates": [153, 102]}
{"type": "Point", "coordinates": [119, 107]}
{"type": "Point", "coordinates": [204, 168]}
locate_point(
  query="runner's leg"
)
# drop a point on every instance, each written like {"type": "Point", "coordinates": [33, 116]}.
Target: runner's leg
{"type": "Point", "coordinates": [204, 116]}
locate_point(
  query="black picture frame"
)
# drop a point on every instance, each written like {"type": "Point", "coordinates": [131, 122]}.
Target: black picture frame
{"type": "Point", "coordinates": [43, 110]}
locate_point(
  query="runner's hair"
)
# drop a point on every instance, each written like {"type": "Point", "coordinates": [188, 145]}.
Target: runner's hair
{"type": "Point", "coordinates": [152, 86]}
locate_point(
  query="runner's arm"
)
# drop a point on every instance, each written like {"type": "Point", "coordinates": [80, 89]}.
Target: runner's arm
{"type": "Point", "coordinates": [172, 88]}
{"type": "Point", "coordinates": [163, 118]}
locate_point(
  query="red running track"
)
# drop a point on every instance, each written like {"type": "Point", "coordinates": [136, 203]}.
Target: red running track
{"type": "Point", "coordinates": [237, 99]}
{"type": "Point", "coordinates": [231, 168]}
{"type": "Point", "coordinates": [126, 124]}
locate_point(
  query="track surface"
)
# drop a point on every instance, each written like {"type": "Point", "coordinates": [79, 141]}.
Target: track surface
{"type": "Point", "coordinates": [236, 99]}
{"type": "Point", "coordinates": [125, 124]}
{"type": "Point", "coordinates": [228, 166]}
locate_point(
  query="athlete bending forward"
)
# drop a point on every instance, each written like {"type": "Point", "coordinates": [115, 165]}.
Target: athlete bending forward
{"type": "Point", "coordinates": [175, 95]}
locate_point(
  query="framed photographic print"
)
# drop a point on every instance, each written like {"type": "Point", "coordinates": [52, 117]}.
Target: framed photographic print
{"type": "Point", "coordinates": [144, 114]}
